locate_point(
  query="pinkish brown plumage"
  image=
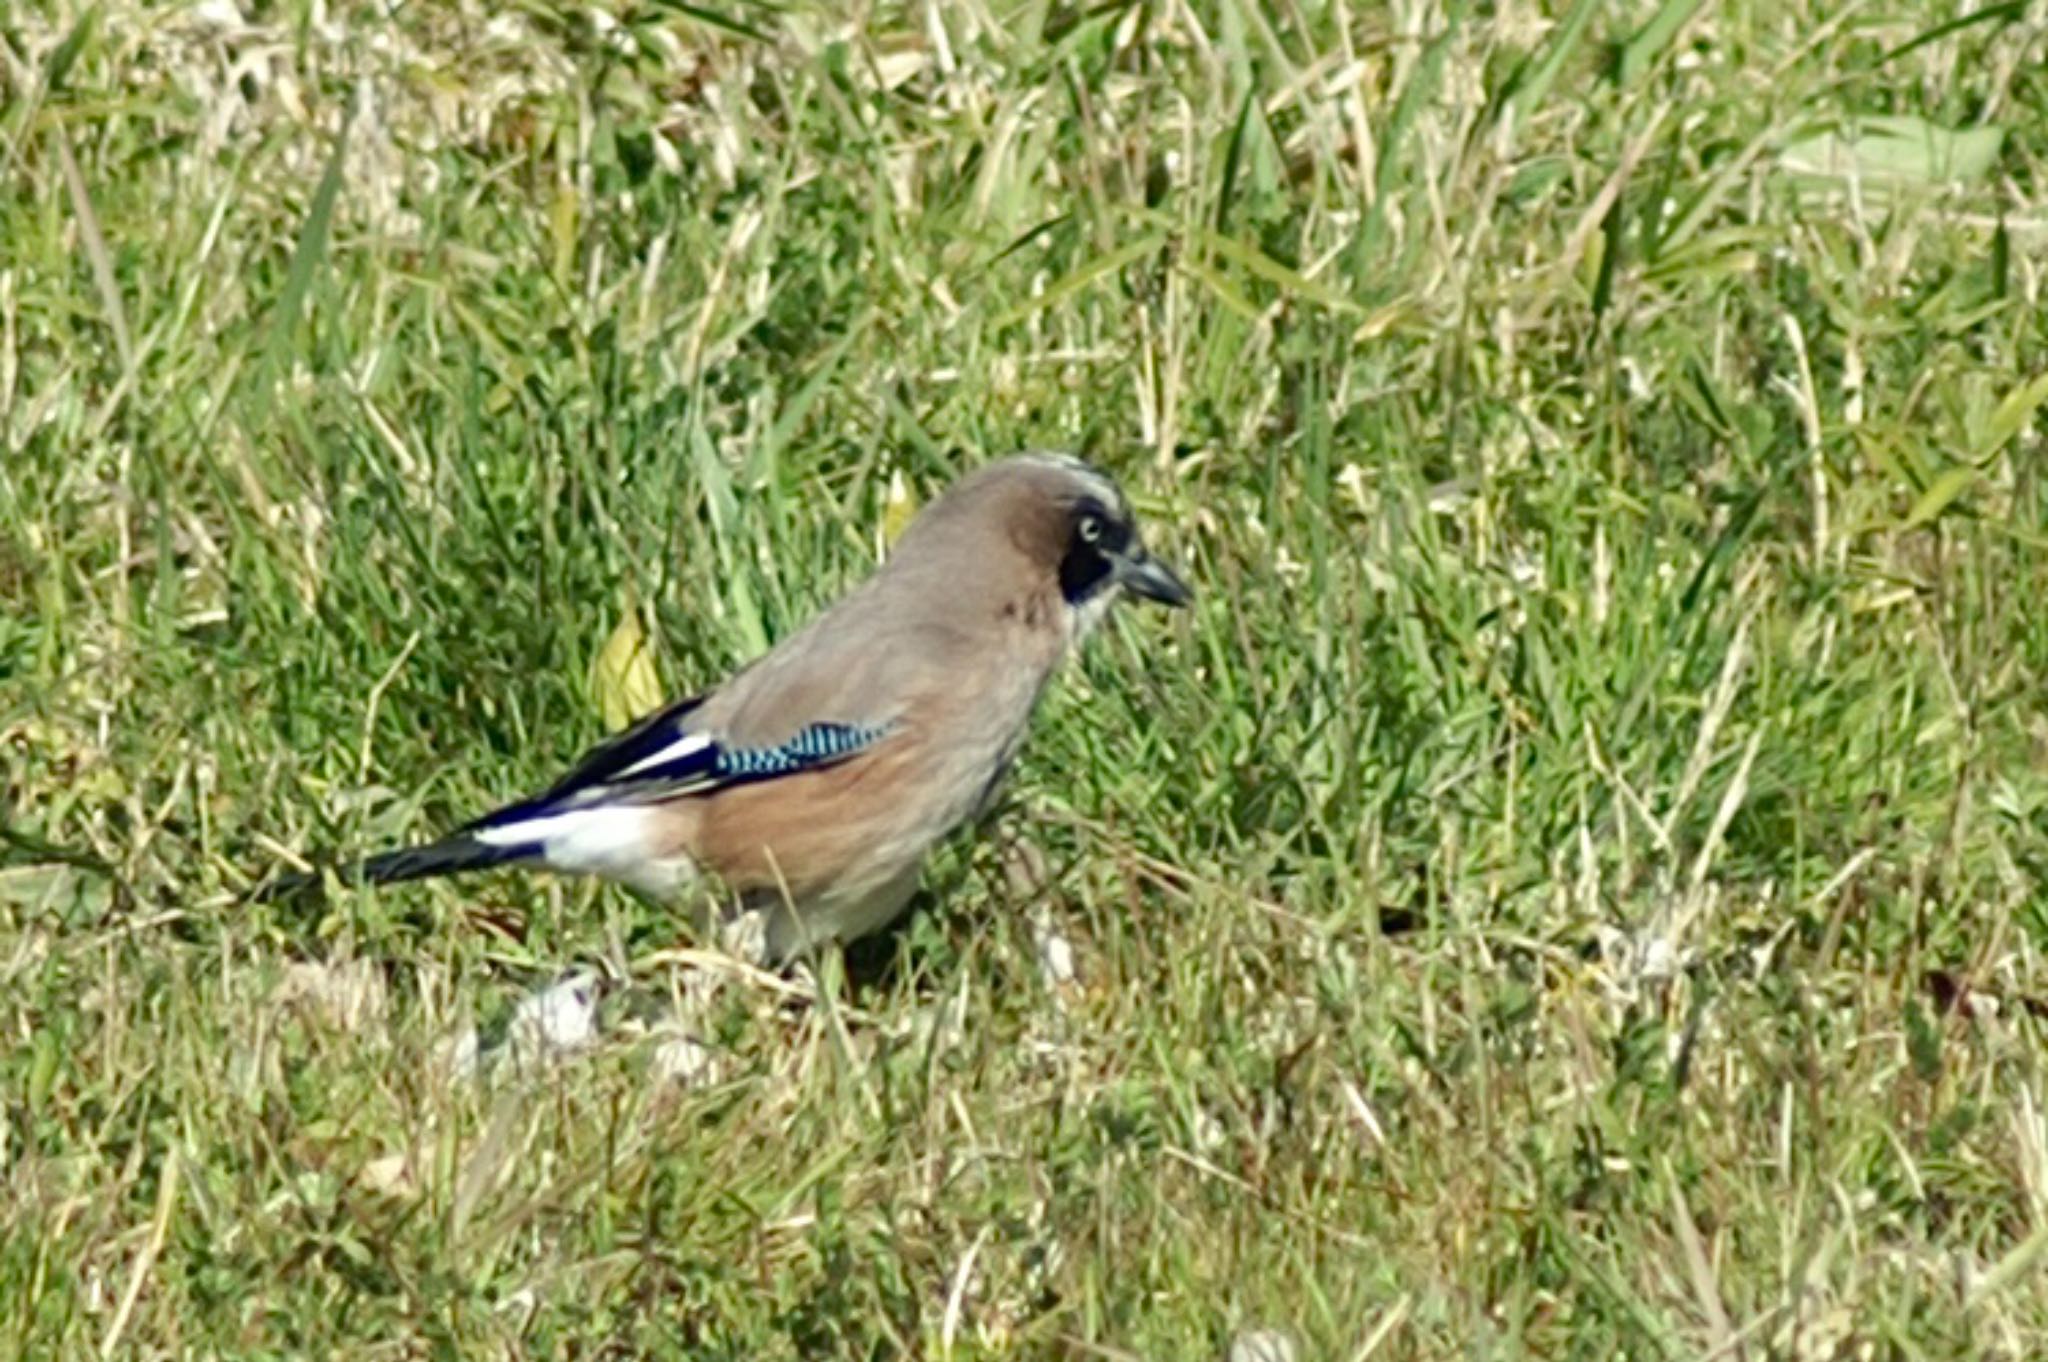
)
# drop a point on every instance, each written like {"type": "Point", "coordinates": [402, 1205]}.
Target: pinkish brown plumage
{"type": "Point", "coordinates": [813, 783]}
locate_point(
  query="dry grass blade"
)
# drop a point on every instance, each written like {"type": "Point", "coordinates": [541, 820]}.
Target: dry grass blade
{"type": "Point", "coordinates": [94, 243]}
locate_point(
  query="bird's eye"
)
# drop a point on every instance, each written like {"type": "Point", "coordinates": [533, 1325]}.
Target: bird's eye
{"type": "Point", "coordinates": [1090, 529]}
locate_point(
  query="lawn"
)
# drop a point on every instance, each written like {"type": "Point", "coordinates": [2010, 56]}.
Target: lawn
{"type": "Point", "coordinates": [1574, 886]}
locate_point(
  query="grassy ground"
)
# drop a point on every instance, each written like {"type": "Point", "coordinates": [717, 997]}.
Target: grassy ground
{"type": "Point", "coordinates": [1574, 887]}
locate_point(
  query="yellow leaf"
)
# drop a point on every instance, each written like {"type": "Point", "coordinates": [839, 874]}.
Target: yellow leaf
{"type": "Point", "coordinates": [1947, 485]}
{"type": "Point", "coordinates": [2013, 414]}
{"type": "Point", "coordinates": [899, 507]}
{"type": "Point", "coordinates": [563, 227]}
{"type": "Point", "coordinates": [623, 679]}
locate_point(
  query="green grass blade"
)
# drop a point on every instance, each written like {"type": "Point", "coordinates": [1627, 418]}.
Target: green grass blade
{"type": "Point", "coordinates": [1650, 41]}
{"type": "Point", "coordinates": [1130, 253]}
{"type": "Point", "coordinates": [307, 253]}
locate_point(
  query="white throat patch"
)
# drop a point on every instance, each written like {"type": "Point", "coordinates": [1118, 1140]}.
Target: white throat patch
{"type": "Point", "coordinates": [1083, 619]}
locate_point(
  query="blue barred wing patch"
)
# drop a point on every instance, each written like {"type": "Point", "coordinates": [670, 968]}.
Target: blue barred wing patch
{"type": "Point", "coordinates": [812, 746]}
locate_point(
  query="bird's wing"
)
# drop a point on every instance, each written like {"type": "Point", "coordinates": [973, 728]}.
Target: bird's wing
{"type": "Point", "coordinates": [672, 754]}
{"type": "Point", "coordinates": [840, 689]}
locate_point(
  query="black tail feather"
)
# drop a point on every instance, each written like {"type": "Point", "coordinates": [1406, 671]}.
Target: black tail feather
{"type": "Point", "coordinates": [449, 856]}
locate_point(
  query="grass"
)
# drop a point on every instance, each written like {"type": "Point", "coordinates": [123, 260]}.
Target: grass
{"type": "Point", "coordinates": [1573, 887]}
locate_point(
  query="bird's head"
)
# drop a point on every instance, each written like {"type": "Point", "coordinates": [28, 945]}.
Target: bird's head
{"type": "Point", "coordinates": [1065, 525]}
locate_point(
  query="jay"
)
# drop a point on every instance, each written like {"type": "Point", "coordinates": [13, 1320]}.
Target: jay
{"type": "Point", "coordinates": [813, 783]}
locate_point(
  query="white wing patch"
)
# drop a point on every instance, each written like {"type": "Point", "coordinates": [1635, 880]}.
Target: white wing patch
{"type": "Point", "coordinates": [687, 745]}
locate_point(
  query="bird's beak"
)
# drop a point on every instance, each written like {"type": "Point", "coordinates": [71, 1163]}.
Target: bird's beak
{"type": "Point", "coordinates": [1144, 575]}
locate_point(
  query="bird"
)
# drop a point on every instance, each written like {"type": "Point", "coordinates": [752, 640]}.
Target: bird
{"type": "Point", "coordinates": [813, 783]}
